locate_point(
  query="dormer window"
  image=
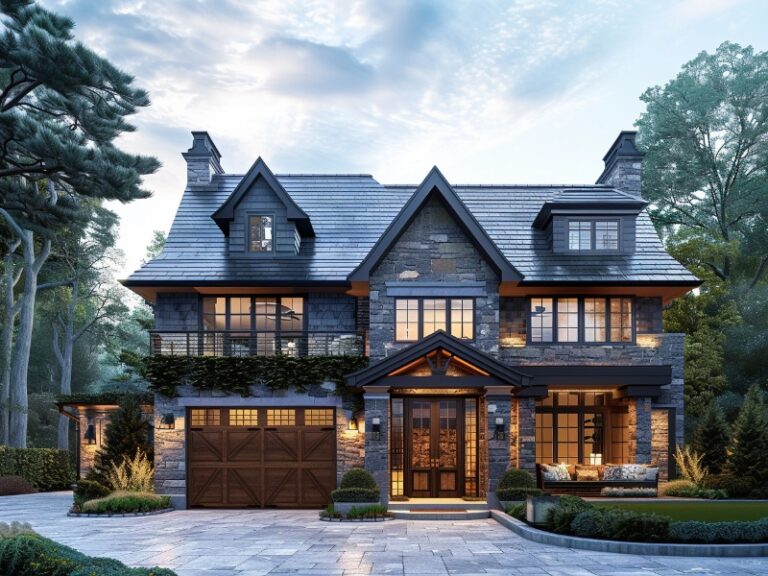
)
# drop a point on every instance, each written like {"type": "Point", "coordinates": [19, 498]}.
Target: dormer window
{"type": "Point", "coordinates": [585, 235]}
{"type": "Point", "coordinates": [260, 233]}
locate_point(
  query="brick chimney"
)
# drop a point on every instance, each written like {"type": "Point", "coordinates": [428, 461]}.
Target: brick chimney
{"type": "Point", "coordinates": [202, 160]}
{"type": "Point", "coordinates": [624, 164]}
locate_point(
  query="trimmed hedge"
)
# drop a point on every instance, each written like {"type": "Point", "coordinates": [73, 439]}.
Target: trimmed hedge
{"type": "Point", "coordinates": [717, 532]}
{"type": "Point", "coordinates": [618, 524]}
{"type": "Point", "coordinates": [560, 517]}
{"type": "Point", "coordinates": [45, 468]}
{"type": "Point", "coordinates": [89, 490]}
{"type": "Point", "coordinates": [33, 555]}
{"type": "Point", "coordinates": [687, 489]}
{"type": "Point", "coordinates": [734, 486]}
{"type": "Point", "coordinates": [355, 495]}
{"type": "Point", "coordinates": [127, 503]}
{"type": "Point", "coordinates": [510, 494]}
{"type": "Point", "coordinates": [516, 478]}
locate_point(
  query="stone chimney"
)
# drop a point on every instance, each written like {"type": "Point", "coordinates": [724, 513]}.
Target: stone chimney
{"type": "Point", "coordinates": [202, 160]}
{"type": "Point", "coordinates": [624, 165]}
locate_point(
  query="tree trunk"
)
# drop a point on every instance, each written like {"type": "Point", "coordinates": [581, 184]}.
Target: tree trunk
{"type": "Point", "coordinates": [63, 345]}
{"type": "Point", "coordinates": [6, 340]}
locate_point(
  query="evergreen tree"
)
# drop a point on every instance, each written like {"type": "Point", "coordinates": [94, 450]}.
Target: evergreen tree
{"type": "Point", "coordinates": [125, 434]}
{"type": "Point", "coordinates": [749, 450]}
{"type": "Point", "coordinates": [711, 439]}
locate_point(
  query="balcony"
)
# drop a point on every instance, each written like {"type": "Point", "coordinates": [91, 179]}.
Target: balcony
{"type": "Point", "coordinates": [255, 343]}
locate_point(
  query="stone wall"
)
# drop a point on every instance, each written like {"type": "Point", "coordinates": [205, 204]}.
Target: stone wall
{"type": "Point", "coordinates": [660, 441]}
{"type": "Point", "coordinates": [498, 448]}
{"type": "Point", "coordinates": [639, 429]}
{"type": "Point", "coordinates": [432, 249]}
{"type": "Point", "coordinates": [377, 449]}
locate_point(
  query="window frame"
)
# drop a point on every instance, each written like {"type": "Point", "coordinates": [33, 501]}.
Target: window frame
{"type": "Point", "coordinates": [252, 298]}
{"type": "Point", "coordinates": [581, 320]}
{"type": "Point", "coordinates": [420, 327]}
{"type": "Point", "coordinates": [593, 235]}
{"type": "Point", "coordinates": [247, 235]}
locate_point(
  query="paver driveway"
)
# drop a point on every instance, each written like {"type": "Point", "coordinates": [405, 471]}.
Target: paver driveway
{"type": "Point", "coordinates": [245, 542]}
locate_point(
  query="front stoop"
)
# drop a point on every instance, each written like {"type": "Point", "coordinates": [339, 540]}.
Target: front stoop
{"type": "Point", "coordinates": [439, 509]}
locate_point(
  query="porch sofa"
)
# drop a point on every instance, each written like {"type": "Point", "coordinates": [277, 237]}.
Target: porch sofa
{"type": "Point", "coordinates": [589, 480]}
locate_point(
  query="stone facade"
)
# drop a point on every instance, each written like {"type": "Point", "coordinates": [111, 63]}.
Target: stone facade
{"type": "Point", "coordinates": [660, 441]}
{"type": "Point", "coordinates": [432, 249]}
{"type": "Point", "coordinates": [377, 448]}
{"type": "Point", "coordinates": [499, 406]}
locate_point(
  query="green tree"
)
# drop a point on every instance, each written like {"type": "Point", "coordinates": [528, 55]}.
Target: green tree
{"type": "Point", "coordinates": [61, 108]}
{"type": "Point", "coordinates": [126, 433]}
{"type": "Point", "coordinates": [712, 438]}
{"type": "Point", "coordinates": [749, 450]}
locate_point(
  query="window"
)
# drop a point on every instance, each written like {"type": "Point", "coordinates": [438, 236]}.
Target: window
{"type": "Point", "coordinates": [318, 417]}
{"type": "Point", "coordinates": [561, 320]}
{"type": "Point", "coordinates": [205, 417]}
{"type": "Point", "coordinates": [585, 235]}
{"type": "Point", "coordinates": [260, 233]}
{"type": "Point", "coordinates": [281, 417]}
{"type": "Point", "coordinates": [417, 318]}
{"type": "Point", "coordinates": [243, 417]}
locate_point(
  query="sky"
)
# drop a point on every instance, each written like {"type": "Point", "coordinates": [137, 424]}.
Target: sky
{"type": "Point", "coordinates": [522, 91]}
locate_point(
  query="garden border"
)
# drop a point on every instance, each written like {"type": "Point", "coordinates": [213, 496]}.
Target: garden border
{"type": "Point", "coordinates": [119, 514]}
{"type": "Point", "coordinates": [642, 548]}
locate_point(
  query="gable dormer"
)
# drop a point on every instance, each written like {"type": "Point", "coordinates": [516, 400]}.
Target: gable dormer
{"type": "Point", "coordinates": [260, 218]}
{"type": "Point", "coordinates": [583, 221]}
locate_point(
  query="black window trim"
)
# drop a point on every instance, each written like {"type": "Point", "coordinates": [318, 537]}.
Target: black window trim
{"type": "Point", "coordinates": [263, 254]}
{"type": "Point", "coordinates": [252, 297]}
{"type": "Point", "coordinates": [593, 234]}
{"type": "Point", "coordinates": [581, 340]}
{"type": "Point", "coordinates": [421, 299]}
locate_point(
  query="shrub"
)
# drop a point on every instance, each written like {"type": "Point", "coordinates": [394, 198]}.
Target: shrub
{"type": "Point", "coordinates": [14, 529]}
{"type": "Point", "coordinates": [749, 450]}
{"type": "Point", "coordinates": [374, 512]}
{"type": "Point", "coordinates": [89, 490]}
{"type": "Point", "coordinates": [689, 464]}
{"type": "Point", "coordinates": [687, 489]}
{"type": "Point", "coordinates": [358, 478]}
{"type": "Point", "coordinates": [508, 494]}
{"type": "Point", "coordinates": [620, 492]}
{"type": "Point", "coordinates": [10, 485]}
{"type": "Point", "coordinates": [355, 495]}
{"type": "Point", "coordinates": [719, 532]}
{"type": "Point", "coordinates": [515, 478]}
{"type": "Point", "coordinates": [734, 486]}
{"type": "Point", "coordinates": [44, 468]}
{"type": "Point", "coordinates": [711, 439]}
{"type": "Point", "coordinates": [127, 502]}
{"type": "Point", "coordinates": [675, 487]}
{"type": "Point", "coordinates": [561, 516]}
{"type": "Point", "coordinates": [634, 526]}
{"type": "Point", "coordinates": [517, 511]}
{"type": "Point", "coordinates": [132, 474]}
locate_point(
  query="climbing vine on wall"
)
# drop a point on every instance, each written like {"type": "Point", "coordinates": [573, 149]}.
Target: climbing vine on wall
{"type": "Point", "coordinates": [237, 374]}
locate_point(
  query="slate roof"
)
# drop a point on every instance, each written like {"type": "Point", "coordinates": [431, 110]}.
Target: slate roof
{"type": "Point", "coordinates": [350, 212]}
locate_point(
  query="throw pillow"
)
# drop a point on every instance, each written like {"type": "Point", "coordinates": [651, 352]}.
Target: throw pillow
{"type": "Point", "coordinates": [612, 473]}
{"type": "Point", "coordinates": [651, 473]}
{"type": "Point", "coordinates": [586, 473]}
{"type": "Point", "coordinates": [633, 472]}
{"type": "Point", "coordinates": [555, 472]}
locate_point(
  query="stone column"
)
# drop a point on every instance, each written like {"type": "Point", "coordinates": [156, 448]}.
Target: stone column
{"type": "Point", "coordinates": [499, 403]}
{"type": "Point", "coordinates": [526, 431]}
{"type": "Point", "coordinates": [376, 400]}
{"type": "Point", "coordinates": [170, 453]}
{"type": "Point", "coordinates": [639, 422]}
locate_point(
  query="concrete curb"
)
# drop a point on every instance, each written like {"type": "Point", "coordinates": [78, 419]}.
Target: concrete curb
{"type": "Point", "coordinates": [640, 548]}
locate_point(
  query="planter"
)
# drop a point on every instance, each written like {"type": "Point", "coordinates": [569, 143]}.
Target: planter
{"type": "Point", "coordinates": [506, 504]}
{"type": "Point", "coordinates": [345, 507]}
{"type": "Point", "coordinates": [537, 508]}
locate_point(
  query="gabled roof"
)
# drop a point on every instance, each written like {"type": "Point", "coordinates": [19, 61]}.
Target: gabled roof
{"type": "Point", "coordinates": [440, 340]}
{"type": "Point", "coordinates": [586, 201]}
{"type": "Point", "coordinates": [435, 183]}
{"type": "Point", "coordinates": [226, 213]}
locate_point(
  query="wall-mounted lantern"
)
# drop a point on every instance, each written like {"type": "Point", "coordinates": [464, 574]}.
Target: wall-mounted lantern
{"type": "Point", "coordinates": [167, 421]}
{"type": "Point", "coordinates": [499, 433]}
{"type": "Point", "coordinates": [352, 424]}
{"type": "Point", "coordinates": [90, 433]}
{"type": "Point", "coordinates": [376, 428]}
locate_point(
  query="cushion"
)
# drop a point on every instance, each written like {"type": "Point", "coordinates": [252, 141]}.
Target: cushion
{"type": "Point", "coordinates": [612, 473]}
{"type": "Point", "coordinates": [633, 472]}
{"type": "Point", "coordinates": [555, 472]}
{"type": "Point", "coordinates": [586, 473]}
{"type": "Point", "coordinates": [651, 473]}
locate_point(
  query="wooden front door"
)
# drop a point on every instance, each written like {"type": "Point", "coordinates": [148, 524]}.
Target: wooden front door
{"type": "Point", "coordinates": [434, 459]}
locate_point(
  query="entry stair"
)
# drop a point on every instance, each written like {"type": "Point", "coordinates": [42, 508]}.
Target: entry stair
{"type": "Point", "coordinates": [439, 509]}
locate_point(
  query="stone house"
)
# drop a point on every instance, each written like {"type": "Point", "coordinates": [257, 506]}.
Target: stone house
{"type": "Point", "coordinates": [505, 325]}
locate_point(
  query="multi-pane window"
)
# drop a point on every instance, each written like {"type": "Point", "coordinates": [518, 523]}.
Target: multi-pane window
{"type": "Point", "coordinates": [281, 417]}
{"type": "Point", "coordinates": [567, 319]}
{"type": "Point", "coordinates": [260, 233]}
{"type": "Point", "coordinates": [318, 417]}
{"type": "Point", "coordinates": [205, 417]}
{"type": "Point", "coordinates": [581, 320]}
{"type": "Point", "coordinates": [584, 235]}
{"type": "Point", "coordinates": [416, 318]}
{"type": "Point", "coordinates": [243, 417]}
{"type": "Point", "coordinates": [541, 320]}
{"type": "Point", "coordinates": [470, 447]}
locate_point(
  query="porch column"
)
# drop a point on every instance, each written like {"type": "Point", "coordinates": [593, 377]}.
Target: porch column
{"type": "Point", "coordinates": [526, 431]}
{"type": "Point", "coordinates": [376, 400]}
{"type": "Point", "coordinates": [640, 429]}
{"type": "Point", "coordinates": [499, 402]}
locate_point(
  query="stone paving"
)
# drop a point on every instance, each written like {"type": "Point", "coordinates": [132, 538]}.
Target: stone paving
{"type": "Point", "coordinates": [258, 542]}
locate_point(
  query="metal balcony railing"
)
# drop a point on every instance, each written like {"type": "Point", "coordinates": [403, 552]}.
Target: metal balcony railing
{"type": "Point", "coordinates": [255, 343]}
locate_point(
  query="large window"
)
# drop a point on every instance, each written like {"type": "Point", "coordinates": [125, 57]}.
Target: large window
{"type": "Point", "coordinates": [581, 427]}
{"type": "Point", "coordinates": [593, 320]}
{"type": "Point", "coordinates": [260, 233]}
{"type": "Point", "coordinates": [584, 235]}
{"type": "Point", "coordinates": [416, 318]}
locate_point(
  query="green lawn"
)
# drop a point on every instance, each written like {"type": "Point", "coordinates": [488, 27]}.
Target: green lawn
{"type": "Point", "coordinates": [707, 511]}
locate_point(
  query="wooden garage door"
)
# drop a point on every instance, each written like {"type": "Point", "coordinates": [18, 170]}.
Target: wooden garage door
{"type": "Point", "coordinates": [266, 457]}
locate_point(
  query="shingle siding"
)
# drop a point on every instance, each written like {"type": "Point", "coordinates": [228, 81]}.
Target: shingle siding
{"type": "Point", "coordinates": [176, 311]}
{"type": "Point", "coordinates": [331, 313]}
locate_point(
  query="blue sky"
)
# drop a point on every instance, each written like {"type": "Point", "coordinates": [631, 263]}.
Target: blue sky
{"type": "Point", "coordinates": [520, 91]}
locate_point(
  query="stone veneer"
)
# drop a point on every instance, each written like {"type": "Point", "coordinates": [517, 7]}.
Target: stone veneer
{"type": "Point", "coordinates": [377, 449]}
{"type": "Point", "coordinates": [170, 445]}
{"type": "Point", "coordinates": [433, 248]}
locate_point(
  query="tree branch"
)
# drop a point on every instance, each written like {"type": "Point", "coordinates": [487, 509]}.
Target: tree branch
{"type": "Point", "coordinates": [759, 273]}
{"type": "Point", "coordinates": [719, 273]}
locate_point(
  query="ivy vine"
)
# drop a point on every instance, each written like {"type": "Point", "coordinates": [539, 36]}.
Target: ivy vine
{"type": "Point", "coordinates": [237, 374]}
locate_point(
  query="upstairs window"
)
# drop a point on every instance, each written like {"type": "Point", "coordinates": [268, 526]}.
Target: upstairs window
{"type": "Point", "coordinates": [591, 320]}
{"type": "Point", "coordinates": [585, 235]}
{"type": "Point", "coordinates": [419, 317]}
{"type": "Point", "coordinates": [260, 233]}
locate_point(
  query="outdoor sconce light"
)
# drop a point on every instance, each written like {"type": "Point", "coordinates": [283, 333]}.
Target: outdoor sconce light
{"type": "Point", "coordinates": [168, 421]}
{"type": "Point", "coordinates": [376, 428]}
{"type": "Point", "coordinates": [491, 408]}
{"type": "Point", "coordinates": [90, 433]}
{"type": "Point", "coordinates": [499, 433]}
{"type": "Point", "coordinates": [353, 425]}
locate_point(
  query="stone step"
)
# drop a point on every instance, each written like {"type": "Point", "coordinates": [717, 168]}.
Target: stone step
{"type": "Point", "coordinates": [438, 504]}
{"type": "Point", "coordinates": [442, 514]}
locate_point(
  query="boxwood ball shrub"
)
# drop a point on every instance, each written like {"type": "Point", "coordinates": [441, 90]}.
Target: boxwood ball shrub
{"type": "Point", "coordinates": [516, 478]}
{"type": "Point", "coordinates": [358, 478]}
{"type": "Point", "coordinates": [357, 485]}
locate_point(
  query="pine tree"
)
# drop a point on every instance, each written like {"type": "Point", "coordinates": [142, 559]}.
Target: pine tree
{"type": "Point", "coordinates": [711, 439]}
{"type": "Point", "coordinates": [749, 450]}
{"type": "Point", "coordinates": [125, 434]}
